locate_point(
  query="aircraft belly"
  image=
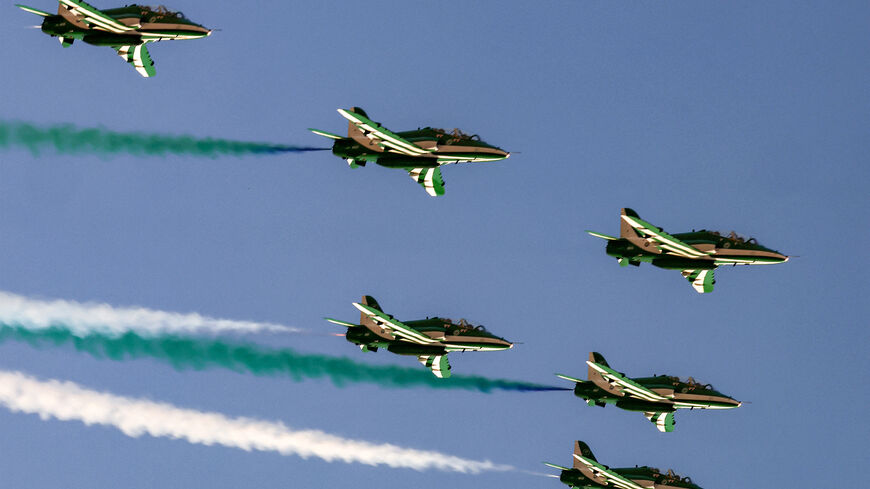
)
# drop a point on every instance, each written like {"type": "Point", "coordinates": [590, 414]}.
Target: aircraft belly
{"type": "Point", "coordinates": [676, 263]}
{"type": "Point", "coordinates": [406, 162]}
{"type": "Point", "coordinates": [107, 39]}
{"type": "Point", "coordinates": [403, 348]}
{"type": "Point", "coordinates": [630, 404]}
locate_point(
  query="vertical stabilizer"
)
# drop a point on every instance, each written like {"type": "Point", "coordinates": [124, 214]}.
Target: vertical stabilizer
{"type": "Point", "coordinates": [70, 17]}
{"type": "Point", "coordinates": [596, 377]}
{"type": "Point", "coordinates": [625, 229]}
{"type": "Point", "coordinates": [582, 449]}
{"type": "Point", "coordinates": [598, 358]}
{"type": "Point", "coordinates": [357, 135]}
{"type": "Point", "coordinates": [351, 127]}
{"type": "Point", "coordinates": [366, 321]}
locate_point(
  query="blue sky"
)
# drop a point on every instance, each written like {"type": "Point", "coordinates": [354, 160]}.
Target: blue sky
{"type": "Point", "coordinates": [722, 115]}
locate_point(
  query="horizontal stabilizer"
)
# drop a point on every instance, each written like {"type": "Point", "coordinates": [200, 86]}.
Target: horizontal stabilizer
{"type": "Point", "coordinates": [570, 379]}
{"type": "Point", "coordinates": [341, 323]}
{"type": "Point", "coordinates": [548, 464]}
{"type": "Point", "coordinates": [602, 236]}
{"type": "Point", "coordinates": [325, 134]}
{"type": "Point", "coordinates": [33, 10]}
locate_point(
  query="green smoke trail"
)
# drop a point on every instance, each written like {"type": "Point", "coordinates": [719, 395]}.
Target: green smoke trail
{"type": "Point", "coordinates": [67, 139]}
{"type": "Point", "coordinates": [195, 353]}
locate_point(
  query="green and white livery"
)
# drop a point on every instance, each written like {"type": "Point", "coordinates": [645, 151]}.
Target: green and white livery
{"type": "Point", "coordinates": [696, 254]}
{"type": "Point", "coordinates": [657, 396]}
{"type": "Point", "coordinates": [421, 152]}
{"type": "Point", "coordinates": [127, 29]}
{"type": "Point", "coordinates": [588, 473]}
{"type": "Point", "coordinates": [430, 339]}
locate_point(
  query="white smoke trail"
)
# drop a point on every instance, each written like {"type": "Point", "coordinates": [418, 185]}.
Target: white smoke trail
{"type": "Point", "coordinates": [83, 318]}
{"type": "Point", "coordinates": [134, 417]}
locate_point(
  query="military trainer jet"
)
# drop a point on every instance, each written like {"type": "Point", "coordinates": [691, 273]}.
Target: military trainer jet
{"type": "Point", "coordinates": [430, 339]}
{"type": "Point", "coordinates": [696, 254]}
{"type": "Point", "coordinates": [588, 473]}
{"type": "Point", "coordinates": [420, 152]}
{"type": "Point", "coordinates": [126, 29]}
{"type": "Point", "coordinates": [657, 396]}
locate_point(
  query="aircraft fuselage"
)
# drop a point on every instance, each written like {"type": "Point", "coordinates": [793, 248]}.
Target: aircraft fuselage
{"type": "Point", "coordinates": [446, 151]}
{"type": "Point", "coordinates": [148, 28]}
{"type": "Point", "coordinates": [721, 251]}
{"type": "Point", "coordinates": [451, 337]}
{"type": "Point", "coordinates": [642, 476]}
{"type": "Point", "coordinates": [681, 395]}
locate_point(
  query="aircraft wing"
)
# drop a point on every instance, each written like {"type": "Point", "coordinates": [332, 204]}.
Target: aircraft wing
{"type": "Point", "coordinates": [601, 235]}
{"type": "Point", "coordinates": [627, 385]}
{"type": "Point", "coordinates": [437, 363]}
{"type": "Point", "coordinates": [139, 57]}
{"type": "Point", "coordinates": [32, 10]}
{"type": "Point", "coordinates": [341, 323]}
{"type": "Point", "coordinates": [382, 136]}
{"type": "Point", "coordinates": [94, 18]}
{"type": "Point", "coordinates": [663, 240]}
{"type": "Point", "coordinates": [430, 179]}
{"type": "Point", "coordinates": [572, 379]}
{"type": "Point", "coordinates": [663, 421]}
{"type": "Point", "coordinates": [702, 280]}
{"type": "Point", "coordinates": [395, 327]}
{"type": "Point", "coordinates": [605, 476]}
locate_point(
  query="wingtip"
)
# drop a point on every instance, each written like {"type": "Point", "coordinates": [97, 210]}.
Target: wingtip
{"type": "Point", "coordinates": [568, 378]}
{"type": "Point", "coordinates": [600, 235]}
{"type": "Point", "coordinates": [32, 10]}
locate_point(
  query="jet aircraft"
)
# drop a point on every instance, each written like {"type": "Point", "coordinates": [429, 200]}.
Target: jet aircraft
{"type": "Point", "coordinates": [430, 339]}
{"type": "Point", "coordinates": [420, 152]}
{"type": "Point", "coordinates": [695, 254]}
{"type": "Point", "coordinates": [657, 396]}
{"type": "Point", "coordinates": [126, 29]}
{"type": "Point", "coordinates": [588, 473]}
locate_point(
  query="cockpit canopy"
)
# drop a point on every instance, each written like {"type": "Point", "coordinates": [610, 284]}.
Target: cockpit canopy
{"type": "Point", "coordinates": [690, 384]}
{"type": "Point", "coordinates": [672, 477]}
{"type": "Point", "coordinates": [453, 136]}
{"type": "Point", "coordinates": [159, 13]}
{"type": "Point", "coordinates": [463, 326]}
{"type": "Point", "coordinates": [736, 237]}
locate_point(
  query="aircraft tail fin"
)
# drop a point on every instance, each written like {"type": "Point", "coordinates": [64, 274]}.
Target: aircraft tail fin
{"type": "Point", "coordinates": [625, 229]}
{"type": "Point", "coordinates": [32, 10]}
{"type": "Point", "coordinates": [355, 133]}
{"type": "Point", "coordinates": [594, 375]}
{"type": "Point", "coordinates": [582, 449]}
{"type": "Point", "coordinates": [352, 130]}
{"type": "Point", "coordinates": [364, 320]}
{"type": "Point", "coordinates": [598, 358]}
